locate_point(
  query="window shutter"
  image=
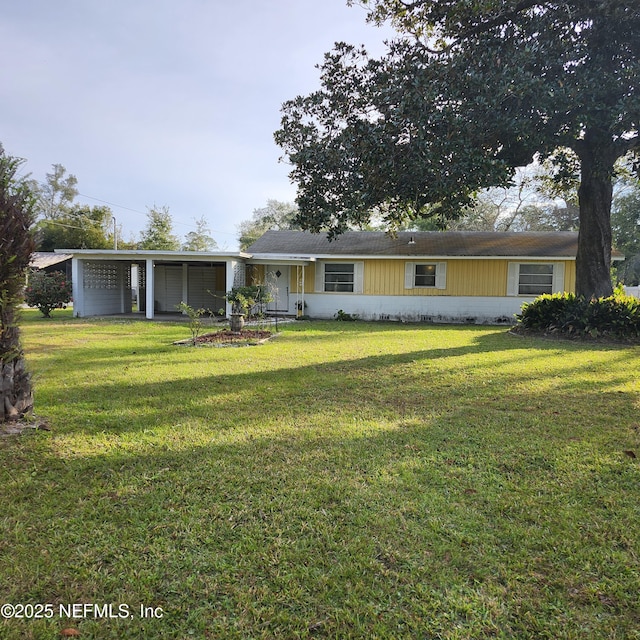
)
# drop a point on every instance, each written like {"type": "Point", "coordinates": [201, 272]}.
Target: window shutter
{"type": "Point", "coordinates": [409, 274]}
{"type": "Point", "coordinates": [319, 287]}
{"type": "Point", "coordinates": [441, 275]}
{"type": "Point", "coordinates": [358, 277]}
{"type": "Point", "coordinates": [512, 278]}
{"type": "Point", "coordinates": [558, 277]}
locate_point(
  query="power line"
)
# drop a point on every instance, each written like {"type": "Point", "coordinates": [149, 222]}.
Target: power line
{"type": "Point", "coordinates": [113, 204]}
{"type": "Point", "coordinates": [119, 206]}
{"type": "Point", "coordinates": [67, 226]}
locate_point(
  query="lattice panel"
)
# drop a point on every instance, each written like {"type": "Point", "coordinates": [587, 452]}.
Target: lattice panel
{"type": "Point", "coordinates": [100, 275]}
{"type": "Point", "coordinates": [239, 275]}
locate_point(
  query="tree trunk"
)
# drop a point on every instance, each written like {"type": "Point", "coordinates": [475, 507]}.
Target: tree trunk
{"type": "Point", "coordinates": [16, 398]}
{"type": "Point", "coordinates": [593, 260]}
{"type": "Point", "coordinates": [17, 394]}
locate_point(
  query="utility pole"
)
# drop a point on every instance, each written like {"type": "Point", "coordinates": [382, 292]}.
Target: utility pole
{"type": "Point", "coordinates": [115, 234]}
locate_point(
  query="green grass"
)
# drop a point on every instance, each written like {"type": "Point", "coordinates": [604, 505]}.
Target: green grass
{"type": "Point", "coordinates": [344, 480]}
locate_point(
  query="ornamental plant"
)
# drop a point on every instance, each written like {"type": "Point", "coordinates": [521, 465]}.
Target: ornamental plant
{"type": "Point", "coordinates": [195, 320]}
{"type": "Point", "coordinates": [244, 299]}
{"type": "Point", "coordinates": [48, 291]}
{"type": "Point", "coordinates": [565, 314]}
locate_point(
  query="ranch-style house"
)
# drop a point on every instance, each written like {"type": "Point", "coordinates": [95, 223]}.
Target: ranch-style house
{"type": "Point", "coordinates": [461, 276]}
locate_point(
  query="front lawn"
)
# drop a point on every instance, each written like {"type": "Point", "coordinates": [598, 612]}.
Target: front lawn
{"type": "Point", "coordinates": [343, 480]}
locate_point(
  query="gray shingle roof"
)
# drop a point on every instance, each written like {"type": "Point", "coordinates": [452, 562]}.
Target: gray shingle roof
{"type": "Point", "coordinates": [427, 243]}
{"type": "Point", "coordinates": [44, 259]}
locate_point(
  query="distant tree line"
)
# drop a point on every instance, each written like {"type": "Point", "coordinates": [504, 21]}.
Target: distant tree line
{"type": "Point", "coordinates": [64, 224]}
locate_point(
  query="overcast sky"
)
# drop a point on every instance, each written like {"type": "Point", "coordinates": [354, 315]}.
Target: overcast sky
{"type": "Point", "coordinates": [165, 102]}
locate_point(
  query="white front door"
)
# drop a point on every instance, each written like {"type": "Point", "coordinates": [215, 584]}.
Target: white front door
{"type": "Point", "coordinates": [278, 279]}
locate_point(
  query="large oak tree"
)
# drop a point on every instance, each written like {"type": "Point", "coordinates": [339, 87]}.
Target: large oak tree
{"type": "Point", "coordinates": [470, 90]}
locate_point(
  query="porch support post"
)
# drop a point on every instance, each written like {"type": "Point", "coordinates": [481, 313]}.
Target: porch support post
{"type": "Point", "coordinates": [230, 281]}
{"type": "Point", "coordinates": [302, 292]}
{"type": "Point", "coordinates": [150, 289]}
{"type": "Point", "coordinates": [77, 283]}
{"type": "Point", "coordinates": [125, 292]}
{"type": "Point", "coordinates": [185, 283]}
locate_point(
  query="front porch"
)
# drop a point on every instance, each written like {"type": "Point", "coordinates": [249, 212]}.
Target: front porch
{"type": "Point", "coordinates": [285, 278]}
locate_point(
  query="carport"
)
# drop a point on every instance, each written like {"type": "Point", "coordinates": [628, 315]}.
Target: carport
{"type": "Point", "coordinates": [110, 282]}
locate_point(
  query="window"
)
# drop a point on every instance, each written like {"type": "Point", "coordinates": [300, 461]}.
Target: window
{"type": "Point", "coordinates": [425, 275]}
{"type": "Point", "coordinates": [339, 277]}
{"type": "Point", "coordinates": [535, 278]}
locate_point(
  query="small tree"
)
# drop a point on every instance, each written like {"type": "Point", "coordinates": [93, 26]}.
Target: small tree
{"type": "Point", "coordinates": [244, 299]}
{"type": "Point", "coordinates": [200, 239]}
{"type": "Point", "coordinates": [17, 215]}
{"type": "Point", "coordinates": [158, 234]}
{"type": "Point", "coordinates": [48, 291]}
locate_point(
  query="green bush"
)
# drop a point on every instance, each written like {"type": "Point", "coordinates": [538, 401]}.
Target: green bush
{"type": "Point", "coordinates": [249, 300]}
{"type": "Point", "coordinates": [48, 291]}
{"type": "Point", "coordinates": [343, 316]}
{"type": "Point", "coordinates": [565, 314]}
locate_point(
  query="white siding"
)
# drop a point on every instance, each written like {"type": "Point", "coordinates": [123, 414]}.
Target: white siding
{"type": "Point", "coordinates": [106, 288]}
{"type": "Point", "coordinates": [468, 309]}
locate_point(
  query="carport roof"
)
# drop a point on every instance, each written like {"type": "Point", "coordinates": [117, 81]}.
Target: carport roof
{"type": "Point", "coordinates": [165, 256]}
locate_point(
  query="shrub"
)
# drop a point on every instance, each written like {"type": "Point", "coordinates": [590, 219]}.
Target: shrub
{"type": "Point", "coordinates": [48, 291]}
{"type": "Point", "coordinates": [565, 314]}
{"type": "Point", "coordinates": [195, 320]}
{"type": "Point", "coordinates": [343, 316]}
{"type": "Point", "coordinates": [249, 300]}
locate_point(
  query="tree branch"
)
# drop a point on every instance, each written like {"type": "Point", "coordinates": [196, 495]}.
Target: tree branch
{"type": "Point", "coordinates": [476, 27]}
{"type": "Point", "coordinates": [626, 145]}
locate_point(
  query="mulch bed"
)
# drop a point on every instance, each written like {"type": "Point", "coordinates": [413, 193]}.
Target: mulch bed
{"type": "Point", "coordinates": [252, 335]}
{"type": "Point", "coordinates": [225, 337]}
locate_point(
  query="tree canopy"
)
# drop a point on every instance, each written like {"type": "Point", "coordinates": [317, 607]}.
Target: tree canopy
{"type": "Point", "coordinates": [62, 223]}
{"type": "Point", "coordinates": [275, 215]}
{"type": "Point", "coordinates": [158, 234]}
{"type": "Point", "coordinates": [467, 93]}
{"type": "Point", "coordinates": [77, 227]}
{"type": "Point", "coordinates": [528, 205]}
{"type": "Point", "coordinates": [200, 239]}
{"type": "Point", "coordinates": [57, 192]}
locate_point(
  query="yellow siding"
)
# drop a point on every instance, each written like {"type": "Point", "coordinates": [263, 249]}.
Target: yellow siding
{"type": "Point", "coordinates": [477, 277]}
{"type": "Point", "coordinates": [570, 276]}
{"type": "Point", "coordinates": [464, 278]}
{"type": "Point", "coordinates": [309, 278]}
{"type": "Point", "coordinates": [255, 274]}
{"type": "Point", "coordinates": [221, 279]}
